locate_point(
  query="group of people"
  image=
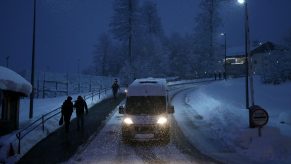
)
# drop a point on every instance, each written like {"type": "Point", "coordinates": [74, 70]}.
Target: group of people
{"type": "Point", "coordinates": [219, 75]}
{"type": "Point", "coordinates": [67, 109]}
{"type": "Point", "coordinates": [81, 108]}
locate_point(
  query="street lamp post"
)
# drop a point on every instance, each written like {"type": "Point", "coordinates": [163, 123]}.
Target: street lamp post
{"type": "Point", "coordinates": [224, 34]}
{"type": "Point", "coordinates": [78, 73]}
{"type": "Point", "coordinates": [7, 61]}
{"type": "Point", "coordinates": [247, 52]}
{"type": "Point", "coordinates": [32, 62]}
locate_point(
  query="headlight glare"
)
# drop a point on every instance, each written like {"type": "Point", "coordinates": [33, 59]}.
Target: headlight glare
{"type": "Point", "coordinates": [128, 121]}
{"type": "Point", "coordinates": [162, 120]}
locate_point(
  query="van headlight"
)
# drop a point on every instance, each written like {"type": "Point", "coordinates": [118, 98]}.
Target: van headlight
{"type": "Point", "coordinates": [128, 121]}
{"type": "Point", "coordinates": [162, 120]}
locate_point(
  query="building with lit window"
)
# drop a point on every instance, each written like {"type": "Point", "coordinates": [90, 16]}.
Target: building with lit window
{"type": "Point", "coordinates": [267, 60]}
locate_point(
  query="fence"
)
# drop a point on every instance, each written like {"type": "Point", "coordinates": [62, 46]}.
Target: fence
{"type": "Point", "coordinates": [50, 84]}
{"type": "Point", "coordinates": [45, 117]}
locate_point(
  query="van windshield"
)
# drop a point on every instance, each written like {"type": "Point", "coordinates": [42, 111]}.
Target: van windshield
{"type": "Point", "coordinates": [152, 105]}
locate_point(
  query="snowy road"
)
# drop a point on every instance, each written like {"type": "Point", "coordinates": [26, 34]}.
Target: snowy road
{"type": "Point", "coordinates": [107, 147]}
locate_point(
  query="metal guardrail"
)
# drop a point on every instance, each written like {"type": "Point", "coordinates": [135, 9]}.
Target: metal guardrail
{"type": "Point", "coordinates": [45, 117]}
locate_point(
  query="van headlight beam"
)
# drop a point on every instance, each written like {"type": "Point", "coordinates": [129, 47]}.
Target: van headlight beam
{"type": "Point", "coordinates": [128, 121]}
{"type": "Point", "coordinates": [162, 120]}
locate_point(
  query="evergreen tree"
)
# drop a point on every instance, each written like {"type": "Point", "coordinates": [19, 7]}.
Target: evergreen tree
{"type": "Point", "coordinates": [178, 50]}
{"type": "Point", "coordinates": [102, 52]}
{"type": "Point", "coordinates": [124, 25]}
{"type": "Point", "coordinates": [151, 21]}
{"type": "Point", "coordinates": [151, 60]}
{"type": "Point", "coordinates": [207, 23]}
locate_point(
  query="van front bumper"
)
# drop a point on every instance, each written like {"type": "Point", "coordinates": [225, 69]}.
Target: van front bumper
{"type": "Point", "coordinates": [145, 132]}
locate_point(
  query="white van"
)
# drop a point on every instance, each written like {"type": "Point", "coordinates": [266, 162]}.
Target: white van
{"type": "Point", "coordinates": [146, 111]}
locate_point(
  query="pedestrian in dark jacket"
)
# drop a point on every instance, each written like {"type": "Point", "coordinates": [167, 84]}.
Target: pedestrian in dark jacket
{"type": "Point", "coordinates": [81, 108]}
{"type": "Point", "coordinates": [115, 88]}
{"type": "Point", "coordinates": [219, 75]}
{"type": "Point", "coordinates": [67, 110]}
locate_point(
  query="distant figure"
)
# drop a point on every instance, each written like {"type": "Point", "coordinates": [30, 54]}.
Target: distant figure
{"type": "Point", "coordinates": [215, 76]}
{"type": "Point", "coordinates": [219, 75]}
{"type": "Point", "coordinates": [67, 110]}
{"type": "Point", "coordinates": [115, 88]}
{"type": "Point", "coordinates": [81, 107]}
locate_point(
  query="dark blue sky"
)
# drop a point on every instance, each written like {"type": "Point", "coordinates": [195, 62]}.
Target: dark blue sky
{"type": "Point", "coordinates": [68, 29]}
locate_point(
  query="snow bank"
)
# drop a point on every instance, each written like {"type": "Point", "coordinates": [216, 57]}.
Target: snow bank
{"type": "Point", "coordinates": [9, 80]}
{"type": "Point", "coordinates": [219, 122]}
{"type": "Point", "coordinates": [285, 118]}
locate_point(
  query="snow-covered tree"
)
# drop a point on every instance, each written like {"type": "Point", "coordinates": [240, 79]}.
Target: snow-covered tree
{"type": "Point", "coordinates": [205, 32]}
{"type": "Point", "coordinates": [287, 58]}
{"type": "Point", "coordinates": [178, 49]}
{"type": "Point", "coordinates": [107, 57]}
{"type": "Point", "coordinates": [102, 52]}
{"type": "Point", "coordinates": [151, 21]}
{"type": "Point", "coordinates": [124, 24]}
{"type": "Point", "coordinates": [150, 60]}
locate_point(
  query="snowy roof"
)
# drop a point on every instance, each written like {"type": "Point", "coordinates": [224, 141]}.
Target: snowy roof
{"type": "Point", "coordinates": [260, 48]}
{"type": "Point", "coordinates": [148, 87]}
{"type": "Point", "coordinates": [268, 46]}
{"type": "Point", "coordinates": [10, 80]}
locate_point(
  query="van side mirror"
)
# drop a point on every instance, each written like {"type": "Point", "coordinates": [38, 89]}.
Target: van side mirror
{"type": "Point", "coordinates": [171, 109]}
{"type": "Point", "coordinates": [121, 110]}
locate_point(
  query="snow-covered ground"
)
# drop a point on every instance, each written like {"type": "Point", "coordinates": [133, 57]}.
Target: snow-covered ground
{"type": "Point", "coordinates": [111, 148]}
{"type": "Point", "coordinates": [215, 120]}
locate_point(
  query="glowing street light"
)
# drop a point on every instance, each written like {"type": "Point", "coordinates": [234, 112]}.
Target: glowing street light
{"type": "Point", "coordinates": [241, 1]}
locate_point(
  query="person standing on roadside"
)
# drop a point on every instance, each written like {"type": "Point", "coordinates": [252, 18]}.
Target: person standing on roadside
{"type": "Point", "coordinates": [67, 110]}
{"type": "Point", "coordinates": [115, 88]}
{"type": "Point", "coordinates": [81, 108]}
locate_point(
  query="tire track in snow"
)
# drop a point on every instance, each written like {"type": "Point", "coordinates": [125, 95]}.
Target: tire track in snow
{"type": "Point", "coordinates": [145, 152]}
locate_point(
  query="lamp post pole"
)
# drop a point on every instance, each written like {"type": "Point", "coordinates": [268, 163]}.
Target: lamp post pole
{"type": "Point", "coordinates": [7, 61]}
{"type": "Point", "coordinates": [247, 59]}
{"type": "Point", "coordinates": [224, 56]}
{"type": "Point", "coordinates": [32, 62]}
{"type": "Point", "coordinates": [224, 74]}
{"type": "Point", "coordinates": [246, 54]}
